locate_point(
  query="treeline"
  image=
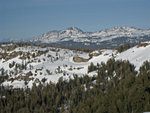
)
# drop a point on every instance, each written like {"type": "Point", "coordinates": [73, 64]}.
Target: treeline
{"type": "Point", "coordinates": [12, 45]}
{"type": "Point", "coordinates": [116, 89]}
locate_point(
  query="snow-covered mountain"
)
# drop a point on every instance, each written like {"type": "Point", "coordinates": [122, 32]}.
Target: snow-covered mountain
{"type": "Point", "coordinates": [74, 37]}
{"type": "Point", "coordinates": [64, 35]}
{"type": "Point", "coordinates": [26, 65]}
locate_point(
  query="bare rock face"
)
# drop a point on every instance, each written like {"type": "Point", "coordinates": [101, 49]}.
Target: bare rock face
{"type": "Point", "coordinates": [79, 59]}
{"type": "Point", "coordinates": [95, 53]}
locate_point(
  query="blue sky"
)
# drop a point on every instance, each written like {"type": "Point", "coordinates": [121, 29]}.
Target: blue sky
{"type": "Point", "coordinates": [25, 19]}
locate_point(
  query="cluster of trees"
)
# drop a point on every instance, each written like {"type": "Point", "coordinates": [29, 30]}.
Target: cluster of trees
{"type": "Point", "coordinates": [3, 75]}
{"type": "Point", "coordinates": [92, 67]}
{"type": "Point", "coordinates": [122, 48]}
{"type": "Point", "coordinates": [116, 89]}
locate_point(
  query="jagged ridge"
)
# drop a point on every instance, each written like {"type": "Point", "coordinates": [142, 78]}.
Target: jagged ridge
{"type": "Point", "coordinates": [105, 38]}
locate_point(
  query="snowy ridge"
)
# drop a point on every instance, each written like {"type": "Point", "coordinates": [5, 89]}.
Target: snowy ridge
{"type": "Point", "coordinates": [54, 63]}
{"type": "Point", "coordinates": [63, 35]}
{"type": "Point", "coordinates": [136, 55]}
{"type": "Point", "coordinates": [76, 35]}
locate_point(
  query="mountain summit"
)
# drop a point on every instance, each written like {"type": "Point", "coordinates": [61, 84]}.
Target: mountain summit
{"type": "Point", "coordinates": [75, 37]}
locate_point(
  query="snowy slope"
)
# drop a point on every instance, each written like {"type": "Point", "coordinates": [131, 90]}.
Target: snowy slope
{"type": "Point", "coordinates": [136, 55]}
{"type": "Point", "coordinates": [63, 35]}
{"type": "Point", "coordinates": [52, 61]}
{"type": "Point", "coordinates": [55, 63]}
{"type": "Point", "coordinates": [76, 35]}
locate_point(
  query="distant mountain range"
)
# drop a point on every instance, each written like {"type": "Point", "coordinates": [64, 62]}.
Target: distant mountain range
{"type": "Point", "coordinates": [74, 37]}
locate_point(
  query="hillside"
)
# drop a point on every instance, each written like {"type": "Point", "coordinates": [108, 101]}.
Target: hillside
{"type": "Point", "coordinates": [23, 66]}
